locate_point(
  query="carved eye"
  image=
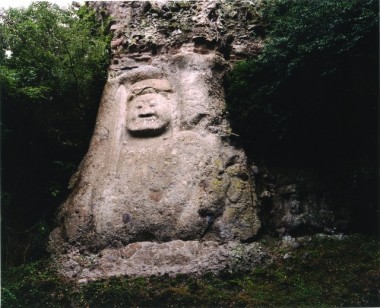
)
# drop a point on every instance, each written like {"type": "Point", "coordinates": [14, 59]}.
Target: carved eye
{"type": "Point", "coordinates": [139, 106]}
{"type": "Point", "coordinates": [152, 105]}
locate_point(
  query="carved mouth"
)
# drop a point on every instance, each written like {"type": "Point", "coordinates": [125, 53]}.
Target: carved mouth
{"type": "Point", "coordinates": [147, 115]}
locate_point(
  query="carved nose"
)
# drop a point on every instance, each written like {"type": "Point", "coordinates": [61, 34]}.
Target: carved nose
{"type": "Point", "coordinates": [146, 111]}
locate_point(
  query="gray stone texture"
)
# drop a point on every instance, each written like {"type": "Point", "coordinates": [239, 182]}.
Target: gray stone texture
{"type": "Point", "coordinates": [295, 201]}
{"type": "Point", "coordinates": [170, 258]}
{"type": "Point", "coordinates": [161, 189]}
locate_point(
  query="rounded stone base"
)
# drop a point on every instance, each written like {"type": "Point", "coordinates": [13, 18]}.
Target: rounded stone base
{"type": "Point", "coordinates": [169, 258]}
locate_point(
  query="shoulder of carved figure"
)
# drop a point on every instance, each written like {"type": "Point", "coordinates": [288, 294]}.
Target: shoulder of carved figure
{"type": "Point", "coordinates": [188, 136]}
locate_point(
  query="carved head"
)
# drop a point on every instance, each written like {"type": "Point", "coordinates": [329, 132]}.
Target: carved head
{"type": "Point", "coordinates": [149, 110]}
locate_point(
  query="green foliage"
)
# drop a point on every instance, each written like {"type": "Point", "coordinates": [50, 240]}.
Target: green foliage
{"type": "Point", "coordinates": [52, 71]}
{"type": "Point", "coordinates": [311, 98]}
{"type": "Point", "coordinates": [34, 285]}
{"type": "Point", "coordinates": [326, 272]}
{"type": "Point", "coordinates": [54, 52]}
{"type": "Point", "coordinates": [315, 81]}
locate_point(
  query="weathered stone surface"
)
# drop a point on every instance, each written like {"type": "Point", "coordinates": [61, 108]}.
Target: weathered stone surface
{"type": "Point", "coordinates": [171, 258]}
{"type": "Point", "coordinates": [161, 189]}
{"type": "Point", "coordinates": [230, 29]}
{"type": "Point", "coordinates": [294, 202]}
{"type": "Point", "coordinates": [157, 168]}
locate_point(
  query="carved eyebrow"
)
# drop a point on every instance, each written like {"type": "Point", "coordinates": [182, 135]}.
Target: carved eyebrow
{"type": "Point", "coordinates": [145, 91]}
{"type": "Point", "coordinates": [159, 85]}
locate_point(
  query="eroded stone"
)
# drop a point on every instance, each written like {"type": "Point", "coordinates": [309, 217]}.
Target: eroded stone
{"type": "Point", "coordinates": [161, 189]}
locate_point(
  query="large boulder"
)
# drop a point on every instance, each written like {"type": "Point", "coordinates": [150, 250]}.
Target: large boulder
{"type": "Point", "coordinates": [162, 189]}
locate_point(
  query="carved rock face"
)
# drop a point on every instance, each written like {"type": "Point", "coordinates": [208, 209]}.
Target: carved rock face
{"type": "Point", "coordinates": [149, 109]}
{"type": "Point", "coordinates": [161, 178]}
{"type": "Point", "coordinates": [158, 193]}
{"type": "Point", "coordinates": [148, 113]}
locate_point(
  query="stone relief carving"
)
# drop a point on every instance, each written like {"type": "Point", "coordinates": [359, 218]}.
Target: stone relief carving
{"type": "Point", "coordinates": [149, 110]}
{"type": "Point", "coordinates": [160, 179]}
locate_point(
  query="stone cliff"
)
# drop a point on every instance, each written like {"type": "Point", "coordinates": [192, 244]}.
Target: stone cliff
{"type": "Point", "coordinates": [162, 190]}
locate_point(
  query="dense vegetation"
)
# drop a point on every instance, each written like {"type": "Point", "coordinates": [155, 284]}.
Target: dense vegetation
{"type": "Point", "coordinates": [327, 272]}
{"type": "Point", "coordinates": [53, 66]}
{"type": "Point", "coordinates": [311, 98]}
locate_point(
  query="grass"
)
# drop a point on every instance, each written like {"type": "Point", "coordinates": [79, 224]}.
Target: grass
{"type": "Point", "coordinates": [326, 272]}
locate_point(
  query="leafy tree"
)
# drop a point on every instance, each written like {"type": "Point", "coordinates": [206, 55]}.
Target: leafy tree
{"type": "Point", "coordinates": [311, 97]}
{"type": "Point", "coordinates": [52, 71]}
{"type": "Point", "coordinates": [53, 50]}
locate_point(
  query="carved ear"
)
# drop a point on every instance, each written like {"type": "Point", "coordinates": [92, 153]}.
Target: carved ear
{"type": "Point", "coordinates": [121, 95]}
{"type": "Point", "coordinates": [119, 111]}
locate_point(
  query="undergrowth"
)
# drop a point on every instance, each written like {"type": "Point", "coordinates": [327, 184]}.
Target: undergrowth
{"type": "Point", "coordinates": [326, 272]}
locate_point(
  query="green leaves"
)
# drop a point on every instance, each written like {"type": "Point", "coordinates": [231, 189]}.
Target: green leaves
{"type": "Point", "coordinates": [313, 51]}
{"type": "Point", "coordinates": [310, 100]}
{"type": "Point", "coordinates": [299, 28]}
{"type": "Point", "coordinates": [54, 49]}
{"type": "Point", "coordinates": [53, 66]}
